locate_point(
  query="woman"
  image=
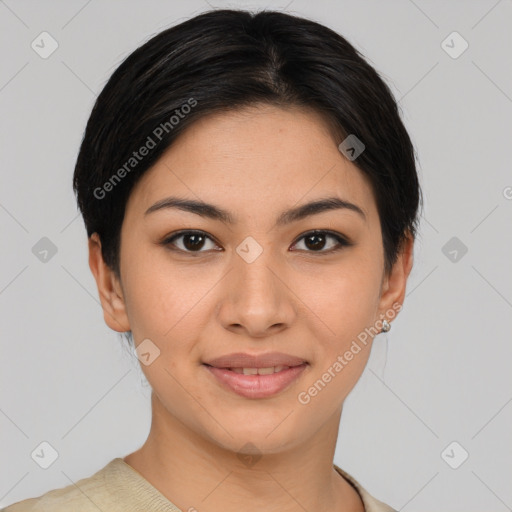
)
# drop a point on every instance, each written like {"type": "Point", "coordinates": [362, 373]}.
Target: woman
{"type": "Point", "coordinates": [251, 201]}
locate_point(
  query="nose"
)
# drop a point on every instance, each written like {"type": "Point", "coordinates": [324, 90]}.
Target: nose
{"type": "Point", "coordinates": [256, 301]}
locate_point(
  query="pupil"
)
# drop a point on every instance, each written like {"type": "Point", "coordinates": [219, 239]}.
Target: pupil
{"type": "Point", "coordinates": [197, 241]}
{"type": "Point", "coordinates": [318, 241]}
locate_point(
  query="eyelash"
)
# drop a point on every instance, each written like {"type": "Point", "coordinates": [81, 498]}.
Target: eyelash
{"type": "Point", "coordinates": [342, 242]}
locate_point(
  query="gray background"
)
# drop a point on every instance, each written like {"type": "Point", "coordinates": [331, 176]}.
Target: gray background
{"type": "Point", "coordinates": [443, 372]}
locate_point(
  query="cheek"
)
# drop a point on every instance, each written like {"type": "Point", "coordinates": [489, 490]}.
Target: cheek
{"type": "Point", "coordinates": [168, 304]}
{"type": "Point", "coordinates": [346, 306]}
{"type": "Point", "coordinates": [159, 304]}
{"type": "Point", "coordinates": [344, 299]}
{"type": "Point", "coordinates": [167, 310]}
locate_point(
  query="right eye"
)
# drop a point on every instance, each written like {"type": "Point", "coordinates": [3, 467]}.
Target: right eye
{"type": "Point", "coordinates": [189, 241]}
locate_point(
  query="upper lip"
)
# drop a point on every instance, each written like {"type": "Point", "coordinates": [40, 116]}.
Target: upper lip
{"type": "Point", "coordinates": [244, 360]}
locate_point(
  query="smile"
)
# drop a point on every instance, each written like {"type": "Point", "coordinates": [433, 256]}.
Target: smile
{"type": "Point", "coordinates": [256, 382]}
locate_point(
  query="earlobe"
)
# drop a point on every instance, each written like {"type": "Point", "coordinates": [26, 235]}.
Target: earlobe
{"type": "Point", "coordinates": [109, 288]}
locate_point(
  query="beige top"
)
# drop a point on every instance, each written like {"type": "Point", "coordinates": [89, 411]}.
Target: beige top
{"type": "Point", "coordinates": [120, 488]}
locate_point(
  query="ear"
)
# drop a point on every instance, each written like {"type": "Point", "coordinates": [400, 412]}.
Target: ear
{"type": "Point", "coordinates": [109, 288]}
{"type": "Point", "coordinates": [394, 284]}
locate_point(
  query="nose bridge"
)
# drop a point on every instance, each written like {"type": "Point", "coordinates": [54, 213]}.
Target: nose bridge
{"type": "Point", "coordinates": [258, 298]}
{"type": "Point", "coordinates": [252, 268]}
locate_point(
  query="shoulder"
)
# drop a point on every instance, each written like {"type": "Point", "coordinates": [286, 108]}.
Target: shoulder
{"type": "Point", "coordinates": [86, 495]}
{"type": "Point", "coordinates": [370, 503]}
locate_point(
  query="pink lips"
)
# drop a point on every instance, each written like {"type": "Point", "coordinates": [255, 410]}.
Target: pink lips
{"type": "Point", "coordinates": [257, 386]}
{"type": "Point", "coordinates": [244, 360]}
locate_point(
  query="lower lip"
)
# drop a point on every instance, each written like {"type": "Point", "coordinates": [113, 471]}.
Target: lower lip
{"type": "Point", "coordinates": [257, 386]}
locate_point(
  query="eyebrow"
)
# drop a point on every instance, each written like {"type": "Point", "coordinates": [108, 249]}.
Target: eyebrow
{"type": "Point", "coordinates": [288, 216]}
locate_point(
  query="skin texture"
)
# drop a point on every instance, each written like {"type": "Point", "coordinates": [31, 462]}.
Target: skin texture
{"type": "Point", "coordinates": [295, 299]}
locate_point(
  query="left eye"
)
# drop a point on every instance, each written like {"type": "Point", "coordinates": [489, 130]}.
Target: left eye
{"type": "Point", "coordinates": [314, 241]}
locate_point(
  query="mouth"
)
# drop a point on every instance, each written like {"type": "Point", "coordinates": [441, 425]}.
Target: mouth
{"type": "Point", "coordinates": [260, 361]}
{"type": "Point", "coordinates": [257, 371]}
{"type": "Point", "coordinates": [257, 380]}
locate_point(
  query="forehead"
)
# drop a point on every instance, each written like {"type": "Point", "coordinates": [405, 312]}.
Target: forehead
{"type": "Point", "coordinates": [255, 158]}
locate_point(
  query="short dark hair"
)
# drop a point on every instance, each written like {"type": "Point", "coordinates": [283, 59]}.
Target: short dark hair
{"type": "Point", "coordinates": [223, 60]}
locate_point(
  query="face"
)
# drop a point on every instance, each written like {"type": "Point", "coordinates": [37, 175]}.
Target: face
{"type": "Point", "coordinates": [200, 285]}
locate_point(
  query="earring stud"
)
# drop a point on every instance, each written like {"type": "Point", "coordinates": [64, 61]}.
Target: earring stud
{"type": "Point", "coordinates": [386, 326]}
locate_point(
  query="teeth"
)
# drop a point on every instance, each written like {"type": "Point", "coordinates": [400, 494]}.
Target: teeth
{"type": "Point", "coordinates": [259, 371]}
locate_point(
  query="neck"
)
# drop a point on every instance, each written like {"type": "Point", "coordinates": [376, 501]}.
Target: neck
{"type": "Point", "coordinates": [195, 473]}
